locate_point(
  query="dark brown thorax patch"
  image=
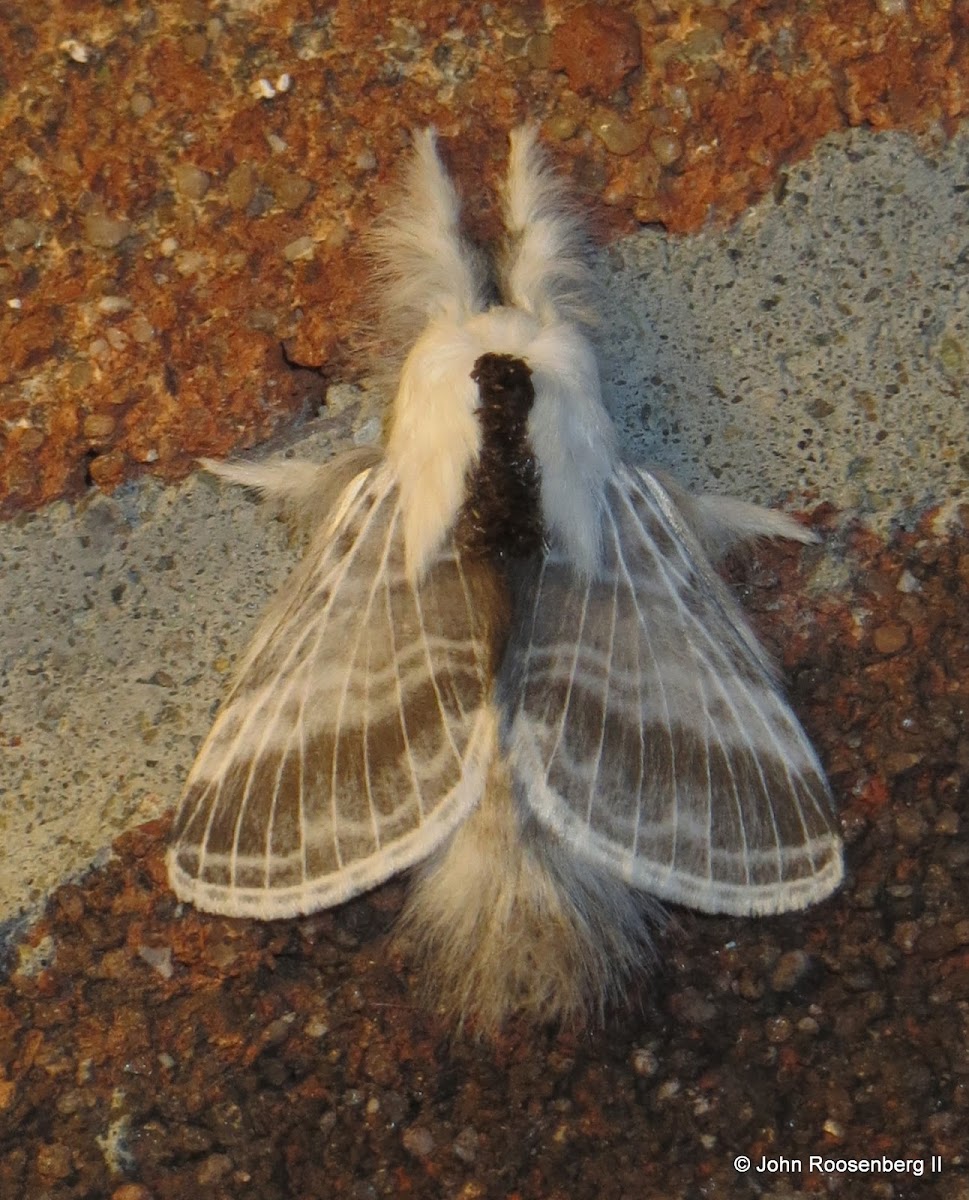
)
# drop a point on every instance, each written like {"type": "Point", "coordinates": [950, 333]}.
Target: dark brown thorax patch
{"type": "Point", "coordinates": [501, 519]}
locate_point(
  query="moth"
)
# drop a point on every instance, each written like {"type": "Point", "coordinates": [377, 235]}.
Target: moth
{"type": "Point", "coordinates": [506, 660]}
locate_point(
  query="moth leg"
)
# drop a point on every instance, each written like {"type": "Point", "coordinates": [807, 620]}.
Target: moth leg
{"type": "Point", "coordinates": [722, 523]}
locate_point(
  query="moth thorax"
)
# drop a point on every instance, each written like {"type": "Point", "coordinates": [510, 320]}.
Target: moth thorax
{"type": "Point", "coordinates": [501, 518]}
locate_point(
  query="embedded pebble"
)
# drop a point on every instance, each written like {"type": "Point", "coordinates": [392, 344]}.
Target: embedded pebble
{"type": "Point", "coordinates": [241, 185]}
{"type": "Point", "coordinates": [214, 1169]}
{"type": "Point", "coordinates": [159, 958]}
{"type": "Point", "coordinates": [191, 181]}
{"type": "Point", "coordinates": [301, 247]}
{"type": "Point", "coordinates": [111, 306]}
{"type": "Point", "coordinates": [54, 1161]}
{"type": "Point", "coordinates": [790, 969]}
{"type": "Point", "coordinates": [20, 233]}
{"type": "Point", "coordinates": [98, 426]}
{"type": "Point", "coordinates": [891, 637]}
{"type": "Point", "coordinates": [666, 148]}
{"type": "Point", "coordinates": [104, 231]}
{"type": "Point", "coordinates": [779, 1029]}
{"type": "Point", "coordinates": [289, 189]}
{"type": "Point", "coordinates": [616, 134]}
{"type": "Point", "coordinates": [419, 1140]}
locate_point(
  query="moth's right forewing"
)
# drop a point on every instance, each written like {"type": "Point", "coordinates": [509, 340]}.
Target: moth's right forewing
{"type": "Point", "coordinates": [359, 729]}
{"type": "Point", "coordinates": [645, 727]}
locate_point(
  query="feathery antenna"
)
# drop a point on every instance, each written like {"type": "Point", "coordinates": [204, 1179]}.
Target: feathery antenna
{"type": "Point", "coordinates": [426, 265]}
{"type": "Point", "coordinates": [545, 270]}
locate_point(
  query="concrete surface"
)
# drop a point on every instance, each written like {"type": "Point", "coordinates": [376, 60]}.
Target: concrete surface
{"type": "Point", "coordinates": [818, 350]}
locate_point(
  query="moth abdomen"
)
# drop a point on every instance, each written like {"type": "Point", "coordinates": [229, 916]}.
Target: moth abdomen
{"type": "Point", "coordinates": [501, 518]}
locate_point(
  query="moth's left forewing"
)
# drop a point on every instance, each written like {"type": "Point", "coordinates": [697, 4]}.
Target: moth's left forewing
{"type": "Point", "coordinates": [644, 724]}
{"type": "Point", "coordinates": [359, 729]}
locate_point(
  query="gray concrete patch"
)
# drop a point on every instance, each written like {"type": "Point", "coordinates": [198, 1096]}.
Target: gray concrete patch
{"type": "Point", "coordinates": [819, 347]}
{"type": "Point", "coordinates": [818, 350]}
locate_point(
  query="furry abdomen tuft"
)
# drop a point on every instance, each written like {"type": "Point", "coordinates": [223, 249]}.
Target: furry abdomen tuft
{"type": "Point", "coordinates": [506, 920]}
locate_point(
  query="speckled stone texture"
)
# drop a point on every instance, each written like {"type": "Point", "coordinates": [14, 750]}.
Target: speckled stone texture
{"type": "Point", "coordinates": [184, 184]}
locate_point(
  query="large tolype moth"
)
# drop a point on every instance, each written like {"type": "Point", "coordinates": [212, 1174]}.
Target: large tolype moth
{"type": "Point", "coordinates": [505, 660]}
